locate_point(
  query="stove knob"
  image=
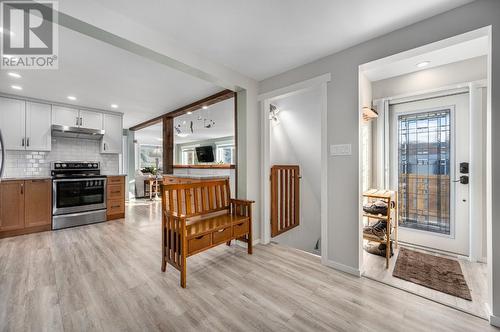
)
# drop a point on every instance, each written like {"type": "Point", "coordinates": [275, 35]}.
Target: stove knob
{"type": "Point", "coordinates": [57, 165]}
{"type": "Point", "coordinates": [89, 165]}
{"type": "Point", "coordinates": [64, 165]}
{"type": "Point", "coordinates": [95, 165]}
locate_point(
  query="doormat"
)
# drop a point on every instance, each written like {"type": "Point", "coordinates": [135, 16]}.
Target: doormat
{"type": "Point", "coordinates": [438, 273]}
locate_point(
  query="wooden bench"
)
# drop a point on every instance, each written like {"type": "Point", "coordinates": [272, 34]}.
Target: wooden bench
{"type": "Point", "coordinates": [199, 216]}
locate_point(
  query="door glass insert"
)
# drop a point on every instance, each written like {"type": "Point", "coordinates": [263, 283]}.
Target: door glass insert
{"type": "Point", "coordinates": [424, 170]}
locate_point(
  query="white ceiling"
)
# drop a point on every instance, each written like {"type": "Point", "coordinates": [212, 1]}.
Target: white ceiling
{"type": "Point", "coordinates": [262, 38]}
{"type": "Point", "coordinates": [99, 75]}
{"type": "Point", "coordinates": [222, 113]}
{"type": "Point", "coordinates": [446, 55]}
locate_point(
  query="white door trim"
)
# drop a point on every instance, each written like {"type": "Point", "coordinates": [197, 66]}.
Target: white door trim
{"type": "Point", "coordinates": [265, 101]}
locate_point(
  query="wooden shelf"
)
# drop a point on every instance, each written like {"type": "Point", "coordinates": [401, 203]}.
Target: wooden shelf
{"type": "Point", "coordinates": [375, 216]}
{"type": "Point", "coordinates": [392, 218]}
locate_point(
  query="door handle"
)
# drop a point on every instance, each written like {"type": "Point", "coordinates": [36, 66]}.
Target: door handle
{"type": "Point", "coordinates": [28, 141]}
{"type": "Point", "coordinates": [22, 188]}
{"type": "Point", "coordinates": [22, 141]}
{"type": "Point", "coordinates": [104, 146]}
{"type": "Point", "coordinates": [81, 121]}
{"type": "Point", "coordinates": [464, 179]}
{"type": "Point", "coordinates": [77, 121]}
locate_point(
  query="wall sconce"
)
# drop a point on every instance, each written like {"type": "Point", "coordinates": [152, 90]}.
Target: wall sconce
{"type": "Point", "coordinates": [273, 113]}
{"type": "Point", "coordinates": [369, 114]}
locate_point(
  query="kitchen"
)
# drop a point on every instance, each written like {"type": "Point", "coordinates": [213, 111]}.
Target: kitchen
{"type": "Point", "coordinates": [65, 151]}
{"type": "Point", "coordinates": [42, 187]}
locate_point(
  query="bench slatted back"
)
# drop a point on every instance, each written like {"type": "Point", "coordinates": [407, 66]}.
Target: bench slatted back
{"type": "Point", "coordinates": [197, 198]}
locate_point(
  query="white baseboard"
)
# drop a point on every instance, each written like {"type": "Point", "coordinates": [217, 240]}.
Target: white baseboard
{"type": "Point", "coordinates": [495, 320]}
{"type": "Point", "coordinates": [244, 245]}
{"type": "Point", "coordinates": [342, 267]}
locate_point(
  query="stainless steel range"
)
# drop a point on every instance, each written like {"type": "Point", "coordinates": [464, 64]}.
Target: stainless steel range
{"type": "Point", "coordinates": [79, 194]}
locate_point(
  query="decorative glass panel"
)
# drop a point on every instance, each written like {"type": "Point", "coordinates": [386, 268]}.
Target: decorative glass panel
{"type": "Point", "coordinates": [424, 171]}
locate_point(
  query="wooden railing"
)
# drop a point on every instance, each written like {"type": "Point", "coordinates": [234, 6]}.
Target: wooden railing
{"type": "Point", "coordinates": [285, 198]}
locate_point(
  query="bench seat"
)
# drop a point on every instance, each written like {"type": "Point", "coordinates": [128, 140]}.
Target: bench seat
{"type": "Point", "coordinates": [199, 216]}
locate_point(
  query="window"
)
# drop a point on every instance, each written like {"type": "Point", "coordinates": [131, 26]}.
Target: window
{"type": "Point", "coordinates": [225, 153]}
{"type": "Point", "coordinates": [188, 156]}
{"type": "Point", "coordinates": [148, 155]}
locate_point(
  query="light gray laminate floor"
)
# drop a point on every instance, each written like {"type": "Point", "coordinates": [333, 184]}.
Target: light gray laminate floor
{"type": "Point", "coordinates": [107, 277]}
{"type": "Point", "coordinates": [475, 275]}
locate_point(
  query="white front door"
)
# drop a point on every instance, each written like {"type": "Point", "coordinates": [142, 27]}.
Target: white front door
{"type": "Point", "coordinates": [428, 141]}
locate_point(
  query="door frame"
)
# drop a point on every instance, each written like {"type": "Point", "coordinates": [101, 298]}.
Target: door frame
{"type": "Point", "coordinates": [319, 82]}
{"type": "Point", "coordinates": [393, 167]}
{"type": "Point", "coordinates": [476, 189]}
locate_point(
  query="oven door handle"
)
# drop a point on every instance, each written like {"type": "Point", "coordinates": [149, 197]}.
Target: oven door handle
{"type": "Point", "coordinates": [80, 180]}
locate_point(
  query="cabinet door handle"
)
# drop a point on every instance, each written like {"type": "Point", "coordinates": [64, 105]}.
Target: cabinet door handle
{"type": "Point", "coordinates": [28, 141]}
{"type": "Point", "coordinates": [81, 121]}
{"type": "Point", "coordinates": [22, 141]}
{"type": "Point", "coordinates": [77, 120]}
{"type": "Point", "coordinates": [104, 146]}
{"type": "Point", "coordinates": [22, 188]}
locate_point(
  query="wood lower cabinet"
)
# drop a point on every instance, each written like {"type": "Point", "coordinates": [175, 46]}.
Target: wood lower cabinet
{"type": "Point", "coordinates": [37, 203]}
{"type": "Point", "coordinates": [25, 207]}
{"type": "Point", "coordinates": [115, 197]}
{"type": "Point", "coordinates": [11, 206]}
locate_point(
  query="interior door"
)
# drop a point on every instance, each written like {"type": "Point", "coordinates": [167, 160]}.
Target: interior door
{"type": "Point", "coordinates": [429, 140]}
{"type": "Point", "coordinates": [38, 122]}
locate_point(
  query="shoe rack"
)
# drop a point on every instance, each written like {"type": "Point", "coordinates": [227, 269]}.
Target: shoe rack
{"type": "Point", "coordinates": [392, 218]}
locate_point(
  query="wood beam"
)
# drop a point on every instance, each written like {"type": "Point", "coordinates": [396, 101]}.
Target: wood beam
{"type": "Point", "coordinates": [168, 145]}
{"type": "Point", "coordinates": [210, 100]}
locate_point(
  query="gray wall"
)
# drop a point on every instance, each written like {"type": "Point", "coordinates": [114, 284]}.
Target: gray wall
{"type": "Point", "coordinates": [343, 122]}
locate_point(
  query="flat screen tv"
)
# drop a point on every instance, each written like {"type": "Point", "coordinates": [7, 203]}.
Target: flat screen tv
{"type": "Point", "coordinates": [205, 154]}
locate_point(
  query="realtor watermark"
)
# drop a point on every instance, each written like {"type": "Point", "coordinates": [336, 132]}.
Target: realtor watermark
{"type": "Point", "coordinates": [29, 35]}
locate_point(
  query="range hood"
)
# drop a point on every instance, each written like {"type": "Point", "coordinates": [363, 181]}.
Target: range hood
{"type": "Point", "coordinates": [77, 132]}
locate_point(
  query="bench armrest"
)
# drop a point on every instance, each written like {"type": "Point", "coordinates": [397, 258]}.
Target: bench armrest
{"type": "Point", "coordinates": [241, 201]}
{"type": "Point", "coordinates": [174, 214]}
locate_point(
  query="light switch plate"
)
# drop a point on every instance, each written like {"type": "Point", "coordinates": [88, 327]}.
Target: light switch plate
{"type": "Point", "coordinates": [341, 150]}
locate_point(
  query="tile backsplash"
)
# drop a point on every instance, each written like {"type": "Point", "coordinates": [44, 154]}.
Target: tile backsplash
{"type": "Point", "coordinates": [38, 163]}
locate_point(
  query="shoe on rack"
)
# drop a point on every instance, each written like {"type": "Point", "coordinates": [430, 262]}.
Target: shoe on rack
{"type": "Point", "coordinates": [376, 208]}
{"type": "Point", "coordinates": [377, 249]}
{"type": "Point", "coordinates": [378, 229]}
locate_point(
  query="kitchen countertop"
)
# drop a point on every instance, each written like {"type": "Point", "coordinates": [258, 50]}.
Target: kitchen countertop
{"type": "Point", "coordinates": [197, 176]}
{"type": "Point", "coordinates": [24, 178]}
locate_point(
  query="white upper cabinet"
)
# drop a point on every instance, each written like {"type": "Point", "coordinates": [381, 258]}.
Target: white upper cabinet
{"type": "Point", "coordinates": [65, 116]}
{"type": "Point", "coordinates": [113, 134]}
{"type": "Point", "coordinates": [90, 120]}
{"type": "Point", "coordinates": [38, 126]}
{"type": "Point", "coordinates": [25, 125]}
{"type": "Point", "coordinates": [12, 123]}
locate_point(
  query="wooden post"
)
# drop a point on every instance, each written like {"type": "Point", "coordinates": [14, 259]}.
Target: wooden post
{"type": "Point", "coordinates": [168, 145]}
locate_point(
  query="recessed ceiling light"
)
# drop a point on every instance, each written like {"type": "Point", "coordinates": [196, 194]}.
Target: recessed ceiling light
{"type": "Point", "coordinates": [16, 75]}
{"type": "Point", "coordinates": [16, 87]}
{"type": "Point", "coordinates": [423, 64]}
{"type": "Point", "coordinates": [189, 112]}
{"type": "Point", "coordinates": [114, 106]}
{"type": "Point", "coordinates": [205, 107]}
{"type": "Point", "coordinates": [71, 97]}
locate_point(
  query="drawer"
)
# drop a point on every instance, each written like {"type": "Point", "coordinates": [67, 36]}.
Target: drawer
{"type": "Point", "coordinates": [116, 206]}
{"type": "Point", "coordinates": [115, 191]}
{"type": "Point", "coordinates": [170, 180]}
{"type": "Point", "coordinates": [116, 180]}
{"type": "Point", "coordinates": [199, 243]}
{"type": "Point", "coordinates": [222, 235]}
{"type": "Point", "coordinates": [240, 229]}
